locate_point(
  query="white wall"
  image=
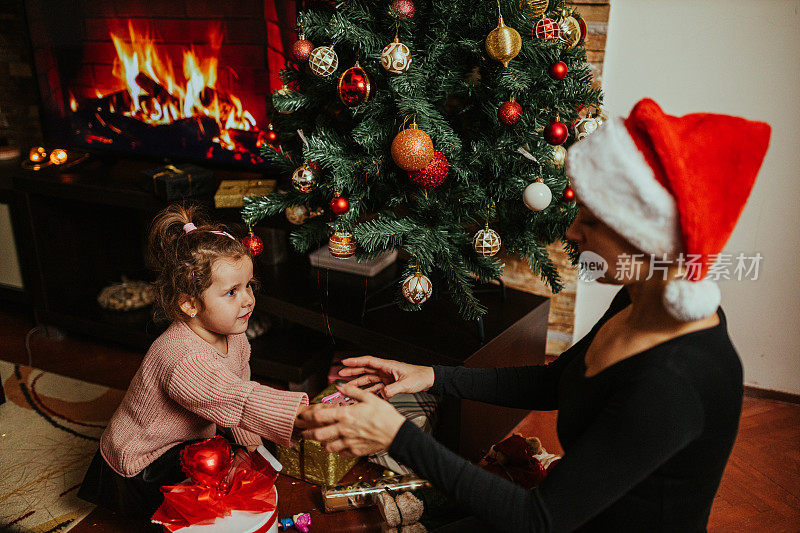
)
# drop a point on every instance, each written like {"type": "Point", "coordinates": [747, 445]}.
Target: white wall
{"type": "Point", "coordinates": [740, 57]}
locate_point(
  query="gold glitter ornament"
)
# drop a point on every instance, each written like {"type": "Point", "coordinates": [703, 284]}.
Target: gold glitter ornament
{"type": "Point", "coordinates": [570, 31]}
{"type": "Point", "coordinates": [412, 149]}
{"type": "Point", "coordinates": [417, 288]}
{"type": "Point", "coordinates": [538, 7]}
{"type": "Point", "coordinates": [503, 43]}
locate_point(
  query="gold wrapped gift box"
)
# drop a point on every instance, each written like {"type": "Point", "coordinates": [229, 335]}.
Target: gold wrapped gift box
{"type": "Point", "coordinates": [307, 460]}
{"type": "Point", "coordinates": [231, 193]}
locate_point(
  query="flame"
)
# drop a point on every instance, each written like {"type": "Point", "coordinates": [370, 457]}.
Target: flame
{"type": "Point", "coordinates": [159, 96]}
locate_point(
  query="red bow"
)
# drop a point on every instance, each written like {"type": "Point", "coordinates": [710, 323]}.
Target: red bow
{"type": "Point", "coordinates": [251, 480]}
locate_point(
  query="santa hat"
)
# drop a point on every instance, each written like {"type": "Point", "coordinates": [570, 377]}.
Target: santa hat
{"type": "Point", "coordinates": [671, 185]}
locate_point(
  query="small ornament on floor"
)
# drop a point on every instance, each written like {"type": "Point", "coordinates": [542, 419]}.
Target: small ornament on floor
{"type": "Point", "coordinates": [301, 522]}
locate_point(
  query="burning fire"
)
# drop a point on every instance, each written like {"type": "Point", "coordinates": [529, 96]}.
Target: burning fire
{"type": "Point", "coordinates": [157, 94]}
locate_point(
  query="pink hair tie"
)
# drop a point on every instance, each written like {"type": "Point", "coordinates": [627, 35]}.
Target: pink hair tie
{"type": "Point", "coordinates": [225, 233]}
{"type": "Point", "coordinates": [189, 227]}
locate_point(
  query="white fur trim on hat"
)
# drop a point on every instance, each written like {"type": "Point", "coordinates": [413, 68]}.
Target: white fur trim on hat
{"type": "Point", "coordinates": [612, 178]}
{"type": "Point", "coordinates": [691, 300]}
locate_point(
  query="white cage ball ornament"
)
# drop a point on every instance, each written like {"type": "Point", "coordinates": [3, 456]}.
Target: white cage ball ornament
{"type": "Point", "coordinates": [323, 61]}
{"type": "Point", "coordinates": [486, 242]}
{"type": "Point", "coordinates": [417, 288]}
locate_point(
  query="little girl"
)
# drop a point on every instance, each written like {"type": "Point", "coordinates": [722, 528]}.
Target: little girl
{"type": "Point", "coordinates": [195, 376]}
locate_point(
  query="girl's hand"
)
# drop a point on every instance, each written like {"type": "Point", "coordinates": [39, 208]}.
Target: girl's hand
{"type": "Point", "coordinates": [299, 422]}
{"type": "Point", "coordinates": [364, 428]}
{"type": "Point", "coordinates": [391, 377]}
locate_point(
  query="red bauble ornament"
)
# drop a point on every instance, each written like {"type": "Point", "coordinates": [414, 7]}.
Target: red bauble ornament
{"type": "Point", "coordinates": [557, 70]}
{"type": "Point", "coordinates": [581, 25]}
{"type": "Point", "coordinates": [207, 462]}
{"type": "Point", "coordinates": [556, 133]}
{"type": "Point", "coordinates": [339, 205]}
{"type": "Point", "coordinates": [253, 243]}
{"type": "Point", "coordinates": [404, 7]}
{"type": "Point", "coordinates": [546, 29]}
{"type": "Point", "coordinates": [301, 49]}
{"type": "Point", "coordinates": [569, 194]}
{"type": "Point", "coordinates": [354, 86]}
{"type": "Point", "coordinates": [510, 112]}
{"type": "Point", "coordinates": [433, 174]}
{"type": "Point", "coordinates": [271, 135]}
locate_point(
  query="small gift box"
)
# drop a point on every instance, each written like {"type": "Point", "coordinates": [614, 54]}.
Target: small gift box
{"type": "Point", "coordinates": [226, 492]}
{"type": "Point", "coordinates": [420, 409]}
{"type": "Point", "coordinates": [173, 182]}
{"type": "Point", "coordinates": [307, 460]}
{"type": "Point", "coordinates": [231, 193]}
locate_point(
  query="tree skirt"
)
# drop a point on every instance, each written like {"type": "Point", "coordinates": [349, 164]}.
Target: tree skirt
{"type": "Point", "coordinates": [50, 430]}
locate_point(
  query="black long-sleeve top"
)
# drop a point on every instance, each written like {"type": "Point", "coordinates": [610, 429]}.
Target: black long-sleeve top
{"type": "Point", "coordinates": [645, 440]}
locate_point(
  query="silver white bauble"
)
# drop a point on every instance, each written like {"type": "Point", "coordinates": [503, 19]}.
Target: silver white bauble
{"type": "Point", "coordinates": [537, 196]}
{"type": "Point", "coordinates": [486, 242]}
{"type": "Point", "coordinates": [323, 61]}
{"type": "Point", "coordinates": [396, 57]}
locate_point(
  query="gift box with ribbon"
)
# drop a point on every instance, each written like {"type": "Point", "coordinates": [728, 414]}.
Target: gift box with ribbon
{"type": "Point", "coordinates": [173, 182]}
{"type": "Point", "coordinates": [231, 193]}
{"type": "Point", "coordinates": [308, 461]}
{"type": "Point", "coordinates": [225, 491]}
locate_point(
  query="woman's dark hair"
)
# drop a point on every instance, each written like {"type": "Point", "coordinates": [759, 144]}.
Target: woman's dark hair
{"type": "Point", "coordinates": [184, 260]}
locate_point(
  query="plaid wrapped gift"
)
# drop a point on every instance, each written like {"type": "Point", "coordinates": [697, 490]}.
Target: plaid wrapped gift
{"type": "Point", "coordinates": [307, 460]}
{"type": "Point", "coordinates": [231, 193]}
{"type": "Point", "coordinates": [419, 408]}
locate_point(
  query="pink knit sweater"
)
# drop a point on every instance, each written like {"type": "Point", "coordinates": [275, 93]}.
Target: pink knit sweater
{"type": "Point", "coordinates": [183, 390]}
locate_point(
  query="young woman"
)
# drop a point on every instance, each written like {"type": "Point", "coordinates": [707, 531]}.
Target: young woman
{"type": "Point", "coordinates": [648, 401]}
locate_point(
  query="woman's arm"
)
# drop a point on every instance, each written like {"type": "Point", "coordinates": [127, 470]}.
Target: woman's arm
{"type": "Point", "coordinates": [642, 427]}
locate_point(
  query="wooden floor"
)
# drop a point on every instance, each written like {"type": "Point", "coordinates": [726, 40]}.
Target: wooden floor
{"type": "Point", "coordinates": [760, 489]}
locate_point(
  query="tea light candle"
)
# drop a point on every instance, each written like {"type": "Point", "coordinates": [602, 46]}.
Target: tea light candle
{"type": "Point", "coordinates": [58, 156]}
{"type": "Point", "coordinates": [37, 154]}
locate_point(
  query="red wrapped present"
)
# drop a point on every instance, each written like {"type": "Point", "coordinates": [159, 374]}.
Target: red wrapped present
{"type": "Point", "coordinates": [241, 498]}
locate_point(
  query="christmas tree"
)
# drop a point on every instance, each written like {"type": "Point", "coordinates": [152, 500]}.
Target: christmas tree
{"type": "Point", "coordinates": [436, 127]}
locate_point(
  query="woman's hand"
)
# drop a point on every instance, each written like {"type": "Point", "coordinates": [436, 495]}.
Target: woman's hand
{"type": "Point", "coordinates": [364, 428]}
{"type": "Point", "coordinates": [391, 377]}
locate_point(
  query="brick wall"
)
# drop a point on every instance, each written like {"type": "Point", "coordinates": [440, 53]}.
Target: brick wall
{"type": "Point", "coordinates": [77, 43]}
{"type": "Point", "coordinates": [19, 100]}
{"type": "Point", "coordinates": [517, 274]}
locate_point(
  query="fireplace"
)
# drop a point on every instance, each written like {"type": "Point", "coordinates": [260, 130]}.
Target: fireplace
{"type": "Point", "coordinates": [175, 80]}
